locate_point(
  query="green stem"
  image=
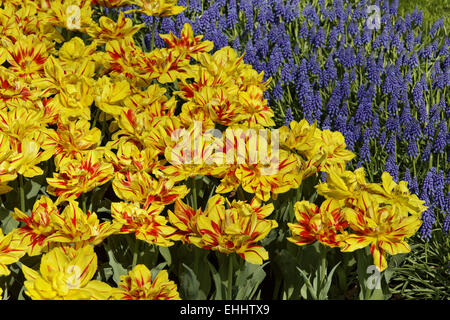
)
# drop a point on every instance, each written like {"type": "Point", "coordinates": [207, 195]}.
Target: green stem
{"type": "Point", "coordinates": [437, 162]}
{"type": "Point", "coordinates": [83, 202]}
{"type": "Point", "coordinates": [299, 193]}
{"type": "Point", "coordinates": [155, 256]}
{"type": "Point", "coordinates": [104, 129]}
{"type": "Point", "coordinates": [430, 162]}
{"type": "Point", "coordinates": [194, 194]}
{"type": "Point", "coordinates": [152, 43]}
{"type": "Point", "coordinates": [241, 194]}
{"type": "Point", "coordinates": [323, 268]}
{"type": "Point", "coordinates": [230, 277]}
{"type": "Point", "coordinates": [196, 258]}
{"type": "Point", "coordinates": [342, 274]}
{"type": "Point", "coordinates": [135, 253]}
{"type": "Point", "coordinates": [276, 290]}
{"type": "Point", "coordinates": [22, 193]}
{"type": "Point", "coordinates": [96, 116]}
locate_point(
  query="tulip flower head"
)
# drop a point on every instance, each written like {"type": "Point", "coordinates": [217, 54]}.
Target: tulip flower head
{"type": "Point", "coordinates": [381, 226]}
{"type": "Point", "coordinates": [139, 284]}
{"type": "Point", "coordinates": [66, 274]}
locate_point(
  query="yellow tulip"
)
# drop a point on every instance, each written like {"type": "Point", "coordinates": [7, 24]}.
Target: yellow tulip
{"type": "Point", "coordinates": [71, 141]}
{"type": "Point", "coordinates": [325, 224]}
{"type": "Point", "coordinates": [398, 194]}
{"type": "Point", "coordinates": [75, 51]}
{"type": "Point", "coordinates": [6, 173]}
{"type": "Point", "coordinates": [187, 44]}
{"type": "Point", "coordinates": [213, 105]}
{"type": "Point", "coordinates": [112, 3]}
{"type": "Point", "coordinates": [255, 106]}
{"type": "Point", "coordinates": [110, 95]}
{"type": "Point", "coordinates": [146, 222]}
{"type": "Point", "coordinates": [261, 168]}
{"type": "Point", "coordinates": [184, 219]}
{"type": "Point", "coordinates": [230, 231]}
{"type": "Point", "coordinates": [334, 147]}
{"type": "Point", "coordinates": [237, 229]}
{"type": "Point", "coordinates": [21, 123]}
{"type": "Point", "coordinates": [80, 176]}
{"type": "Point", "coordinates": [14, 91]}
{"type": "Point", "coordinates": [158, 8]}
{"type": "Point", "coordinates": [130, 159]}
{"type": "Point", "coordinates": [141, 187]}
{"type": "Point", "coordinates": [11, 250]}
{"type": "Point", "coordinates": [27, 57]}
{"type": "Point", "coordinates": [139, 284]}
{"type": "Point", "coordinates": [80, 228]}
{"type": "Point", "coordinates": [71, 14]}
{"type": "Point", "coordinates": [344, 185]}
{"type": "Point", "coordinates": [65, 274]}
{"type": "Point", "coordinates": [300, 136]}
{"type": "Point", "coordinates": [381, 226]}
{"type": "Point", "coordinates": [108, 30]}
{"type": "Point", "coordinates": [34, 235]}
{"type": "Point", "coordinates": [25, 163]}
{"type": "Point", "coordinates": [123, 58]}
{"type": "Point", "coordinates": [165, 65]}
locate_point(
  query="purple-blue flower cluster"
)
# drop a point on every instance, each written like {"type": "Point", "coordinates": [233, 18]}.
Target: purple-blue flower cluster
{"type": "Point", "coordinates": [386, 89]}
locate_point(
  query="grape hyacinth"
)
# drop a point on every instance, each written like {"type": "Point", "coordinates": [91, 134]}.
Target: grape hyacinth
{"type": "Point", "coordinates": [386, 90]}
{"type": "Point", "coordinates": [289, 117]}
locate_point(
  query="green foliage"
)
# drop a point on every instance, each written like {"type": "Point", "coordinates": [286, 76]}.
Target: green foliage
{"type": "Point", "coordinates": [432, 10]}
{"type": "Point", "coordinates": [424, 273]}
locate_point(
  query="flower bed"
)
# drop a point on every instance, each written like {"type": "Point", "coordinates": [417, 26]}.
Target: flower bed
{"type": "Point", "coordinates": [166, 166]}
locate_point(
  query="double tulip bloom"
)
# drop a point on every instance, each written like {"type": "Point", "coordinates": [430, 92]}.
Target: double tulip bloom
{"type": "Point", "coordinates": [236, 229]}
{"type": "Point", "coordinates": [361, 214]}
{"type": "Point", "coordinates": [147, 104]}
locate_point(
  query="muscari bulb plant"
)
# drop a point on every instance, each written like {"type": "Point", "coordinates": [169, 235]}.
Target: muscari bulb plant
{"type": "Point", "coordinates": [120, 164]}
{"type": "Point", "coordinates": [383, 86]}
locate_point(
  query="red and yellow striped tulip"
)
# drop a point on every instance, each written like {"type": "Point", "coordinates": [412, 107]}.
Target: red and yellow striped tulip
{"type": "Point", "coordinates": [325, 224]}
{"type": "Point", "coordinates": [66, 274]}
{"type": "Point", "coordinates": [381, 226]}
{"type": "Point", "coordinates": [139, 284]}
